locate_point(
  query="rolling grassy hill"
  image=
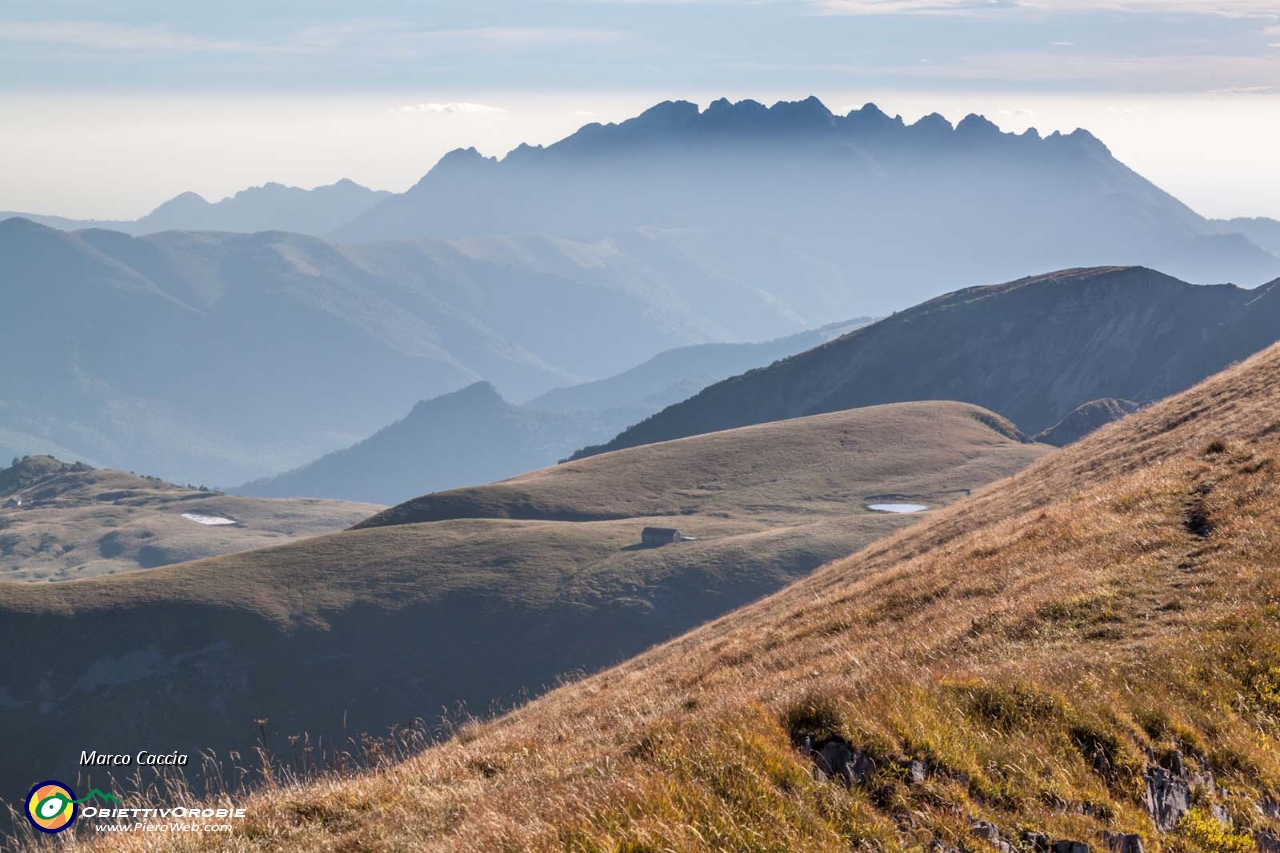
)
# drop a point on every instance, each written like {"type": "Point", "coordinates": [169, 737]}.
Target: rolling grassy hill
{"type": "Point", "coordinates": [1051, 660]}
{"type": "Point", "coordinates": [60, 521]}
{"type": "Point", "coordinates": [476, 596]}
{"type": "Point", "coordinates": [1032, 350]}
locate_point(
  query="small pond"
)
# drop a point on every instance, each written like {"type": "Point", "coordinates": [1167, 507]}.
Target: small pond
{"type": "Point", "coordinates": [897, 507]}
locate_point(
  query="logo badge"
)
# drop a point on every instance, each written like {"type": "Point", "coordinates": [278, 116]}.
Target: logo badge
{"type": "Point", "coordinates": [51, 807]}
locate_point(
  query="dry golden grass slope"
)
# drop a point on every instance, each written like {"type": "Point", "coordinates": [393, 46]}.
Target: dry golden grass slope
{"type": "Point", "coordinates": [60, 521]}
{"type": "Point", "coordinates": [1038, 647]}
{"type": "Point", "coordinates": [362, 629]}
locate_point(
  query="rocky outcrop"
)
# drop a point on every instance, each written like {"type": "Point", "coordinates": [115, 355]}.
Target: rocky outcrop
{"type": "Point", "coordinates": [836, 758]}
{"type": "Point", "coordinates": [1268, 842]}
{"type": "Point", "coordinates": [1168, 797]}
{"type": "Point", "coordinates": [1122, 842]}
{"type": "Point", "coordinates": [1036, 842]}
{"type": "Point", "coordinates": [1268, 807]}
{"type": "Point", "coordinates": [1066, 846]}
{"type": "Point", "coordinates": [990, 833]}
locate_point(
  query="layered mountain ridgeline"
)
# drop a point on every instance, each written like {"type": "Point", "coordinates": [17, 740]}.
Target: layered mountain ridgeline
{"type": "Point", "coordinates": [894, 213]}
{"type": "Point", "coordinates": [473, 436]}
{"type": "Point", "coordinates": [1082, 657]}
{"type": "Point", "coordinates": [1085, 419]}
{"type": "Point", "coordinates": [398, 621]}
{"type": "Point", "coordinates": [459, 439]}
{"type": "Point", "coordinates": [60, 521]}
{"type": "Point", "coordinates": [682, 372]}
{"type": "Point", "coordinates": [219, 358]}
{"type": "Point", "coordinates": [270, 207]}
{"type": "Point", "coordinates": [1262, 231]}
{"type": "Point", "coordinates": [1032, 350]}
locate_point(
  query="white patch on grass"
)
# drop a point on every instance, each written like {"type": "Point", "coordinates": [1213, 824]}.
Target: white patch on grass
{"type": "Point", "coordinates": [210, 520]}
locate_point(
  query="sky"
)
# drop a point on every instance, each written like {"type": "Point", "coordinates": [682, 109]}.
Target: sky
{"type": "Point", "coordinates": [108, 109]}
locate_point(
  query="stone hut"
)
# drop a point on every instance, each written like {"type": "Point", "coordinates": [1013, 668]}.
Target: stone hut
{"type": "Point", "coordinates": [659, 536]}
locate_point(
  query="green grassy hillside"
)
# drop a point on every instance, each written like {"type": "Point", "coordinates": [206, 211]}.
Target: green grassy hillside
{"type": "Point", "coordinates": [389, 623]}
{"type": "Point", "coordinates": [60, 521]}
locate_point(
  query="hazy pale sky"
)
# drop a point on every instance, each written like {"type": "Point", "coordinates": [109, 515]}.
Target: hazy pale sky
{"type": "Point", "coordinates": [108, 109]}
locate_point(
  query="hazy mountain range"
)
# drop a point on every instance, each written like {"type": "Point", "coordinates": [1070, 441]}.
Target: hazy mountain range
{"type": "Point", "coordinates": [222, 357]}
{"type": "Point", "coordinates": [474, 436]}
{"type": "Point", "coordinates": [1032, 350]}
{"type": "Point", "coordinates": [1262, 231]}
{"type": "Point", "coordinates": [217, 358]}
{"type": "Point", "coordinates": [270, 207]}
{"type": "Point", "coordinates": [861, 213]}
{"type": "Point", "coordinates": [894, 209]}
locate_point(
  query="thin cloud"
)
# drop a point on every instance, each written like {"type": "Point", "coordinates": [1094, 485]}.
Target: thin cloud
{"type": "Point", "coordinates": [540, 35]}
{"type": "Point", "coordinates": [113, 37]}
{"type": "Point", "coordinates": [1245, 90]}
{"type": "Point", "coordinates": [1236, 8]}
{"type": "Point", "coordinates": [452, 108]}
{"type": "Point", "coordinates": [394, 36]}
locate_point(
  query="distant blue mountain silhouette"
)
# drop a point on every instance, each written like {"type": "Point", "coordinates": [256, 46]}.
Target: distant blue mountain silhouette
{"type": "Point", "coordinates": [900, 212]}
{"type": "Point", "coordinates": [270, 207]}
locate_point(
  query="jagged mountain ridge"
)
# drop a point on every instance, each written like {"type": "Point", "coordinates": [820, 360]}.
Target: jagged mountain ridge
{"type": "Point", "coordinates": [898, 211]}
